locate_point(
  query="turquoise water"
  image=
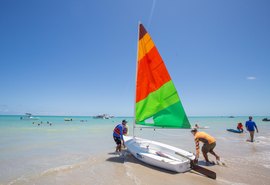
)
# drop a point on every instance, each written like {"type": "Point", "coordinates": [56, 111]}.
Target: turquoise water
{"type": "Point", "coordinates": [31, 147]}
{"type": "Point", "coordinates": [29, 152]}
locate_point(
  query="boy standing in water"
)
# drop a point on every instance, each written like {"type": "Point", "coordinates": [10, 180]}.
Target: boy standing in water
{"type": "Point", "coordinates": [251, 125]}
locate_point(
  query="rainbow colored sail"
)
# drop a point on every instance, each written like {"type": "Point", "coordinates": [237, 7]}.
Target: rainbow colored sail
{"type": "Point", "coordinates": [157, 101]}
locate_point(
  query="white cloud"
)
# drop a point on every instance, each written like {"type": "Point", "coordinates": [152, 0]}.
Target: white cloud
{"type": "Point", "coordinates": [251, 78]}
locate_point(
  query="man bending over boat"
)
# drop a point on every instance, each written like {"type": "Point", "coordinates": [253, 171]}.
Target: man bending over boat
{"type": "Point", "coordinates": [118, 135]}
{"type": "Point", "coordinates": [208, 146]}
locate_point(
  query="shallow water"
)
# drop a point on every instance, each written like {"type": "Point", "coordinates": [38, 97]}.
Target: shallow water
{"type": "Point", "coordinates": [82, 152]}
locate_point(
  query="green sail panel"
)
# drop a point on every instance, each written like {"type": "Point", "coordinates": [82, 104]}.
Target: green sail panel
{"type": "Point", "coordinates": [170, 117]}
{"type": "Point", "coordinates": [162, 108]}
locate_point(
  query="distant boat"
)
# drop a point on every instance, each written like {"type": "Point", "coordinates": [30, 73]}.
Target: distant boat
{"type": "Point", "coordinates": [28, 116]}
{"type": "Point", "coordinates": [201, 127]}
{"type": "Point", "coordinates": [103, 116]}
{"type": "Point", "coordinates": [231, 117]}
{"type": "Point", "coordinates": [265, 119]}
{"type": "Point", "coordinates": [68, 119]}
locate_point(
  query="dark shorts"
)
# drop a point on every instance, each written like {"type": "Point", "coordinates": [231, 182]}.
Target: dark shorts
{"type": "Point", "coordinates": [117, 140]}
{"type": "Point", "coordinates": [208, 147]}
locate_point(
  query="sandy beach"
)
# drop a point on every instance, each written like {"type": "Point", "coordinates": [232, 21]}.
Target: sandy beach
{"type": "Point", "coordinates": [83, 153]}
{"type": "Point", "coordinates": [71, 70]}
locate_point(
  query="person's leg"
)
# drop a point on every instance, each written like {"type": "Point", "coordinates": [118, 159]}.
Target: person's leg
{"type": "Point", "coordinates": [118, 148]}
{"type": "Point", "coordinates": [118, 144]}
{"type": "Point", "coordinates": [214, 154]}
{"type": "Point", "coordinates": [251, 135]}
{"type": "Point", "coordinates": [211, 150]}
{"type": "Point", "coordinates": [205, 151]}
{"type": "Point", "coordinates": [205, 156]}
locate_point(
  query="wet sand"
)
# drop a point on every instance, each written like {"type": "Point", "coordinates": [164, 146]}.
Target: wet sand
{"type": "Point", "coordinates": [111, 168]}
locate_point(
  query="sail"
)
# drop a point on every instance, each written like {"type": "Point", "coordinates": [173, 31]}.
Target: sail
{"type": "Point", "coordinates": [157, 101]}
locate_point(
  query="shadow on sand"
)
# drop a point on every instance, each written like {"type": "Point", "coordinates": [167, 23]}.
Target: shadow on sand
{"type": "Point", "coordinates": [127, 157]}
{"type": "Point", "coordinates": [203, 163]}
{"type": "Point", "coordinates": [116, 159]}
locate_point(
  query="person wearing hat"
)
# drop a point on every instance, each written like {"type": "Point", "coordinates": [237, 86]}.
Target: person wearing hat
{"type": "Point", "coordinates": [209, 144]}
{"type": "Point", "coordinates": [118, 135]}
{"type": "Point", "coordinates": [251, 125]}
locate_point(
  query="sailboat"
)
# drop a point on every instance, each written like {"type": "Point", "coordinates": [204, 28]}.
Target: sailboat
{"type": "Point", "coordinates": [157, 104]}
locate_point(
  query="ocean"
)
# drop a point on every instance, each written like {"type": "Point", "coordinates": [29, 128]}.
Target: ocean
{"type": "Point", "coordinates": [51, 150]}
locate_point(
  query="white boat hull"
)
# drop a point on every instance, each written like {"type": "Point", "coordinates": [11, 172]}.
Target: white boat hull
{"type": "Point", "coordinates": [29, 118]}
{"type": "Point", "coordinates": [159, 154]}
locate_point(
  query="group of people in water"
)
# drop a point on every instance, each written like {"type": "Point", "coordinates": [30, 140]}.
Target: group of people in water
{"type": "Point", "coordinates": [209, 142]}
{"type": "Point", "coordinates": [41, 122]}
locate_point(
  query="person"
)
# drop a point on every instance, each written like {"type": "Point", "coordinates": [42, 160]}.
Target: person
{"type": "Point", "coordinates": [250, 125]}
{"type": "Point", "coordinates": [208, 146]}
{"type": "Point", "coordinates": [196, 126]}
{"type": "Point", "coordinates": [118, 135]}
{"type": "Point", "coordinates": [240, 127]}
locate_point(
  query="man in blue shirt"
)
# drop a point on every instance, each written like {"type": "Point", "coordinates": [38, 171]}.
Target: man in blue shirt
{"type": "Point", "coordinates": [251, 125]}
{"type": "Point", "coordinates": [118, 135]}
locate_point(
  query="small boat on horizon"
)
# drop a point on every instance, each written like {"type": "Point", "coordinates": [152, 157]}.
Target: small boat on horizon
{"type": "Point", "coordinates": [103, 116]}
{"type": "Point", "coordinates": [28, 116]}
{"type": "Point", "coordinates": [266, 119]}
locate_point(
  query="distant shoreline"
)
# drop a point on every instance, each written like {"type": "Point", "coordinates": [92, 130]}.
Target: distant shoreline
{"type": "Point", "coordinates": [133, 116]}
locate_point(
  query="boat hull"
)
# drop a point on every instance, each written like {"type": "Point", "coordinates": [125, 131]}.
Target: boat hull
{"type": "Point", "coordinates": [265, 119]}
{"type": "Point", "coordinates": [159, 154]}
{"type": "Point", "coordinates": [234, 131]}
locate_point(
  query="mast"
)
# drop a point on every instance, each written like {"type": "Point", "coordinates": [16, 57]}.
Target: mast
{"type": "Point", "coordinates": [134, 120]}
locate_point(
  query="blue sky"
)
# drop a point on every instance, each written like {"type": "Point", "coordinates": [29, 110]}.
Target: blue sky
{"type": "Point", "coordinates": [77, 57]}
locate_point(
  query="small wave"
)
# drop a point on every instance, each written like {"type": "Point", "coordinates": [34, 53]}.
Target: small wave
{"type": "Point", "coordinates": [266, 165]}
{"type": "Point", "coordinates": [129, 174]}
{"type": "Point", "coordinates": [64, 168]}
{"type": "Point", "coordinates": [28, 179]}
{"type": "Point", "coordinates": [261, 140]}
{"type": "Point", "coordinates": [20, 179]}
{"type": "Point", "coordinates": [59, 169]}
{"type": "Point", "coordinates": [24, 179]}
